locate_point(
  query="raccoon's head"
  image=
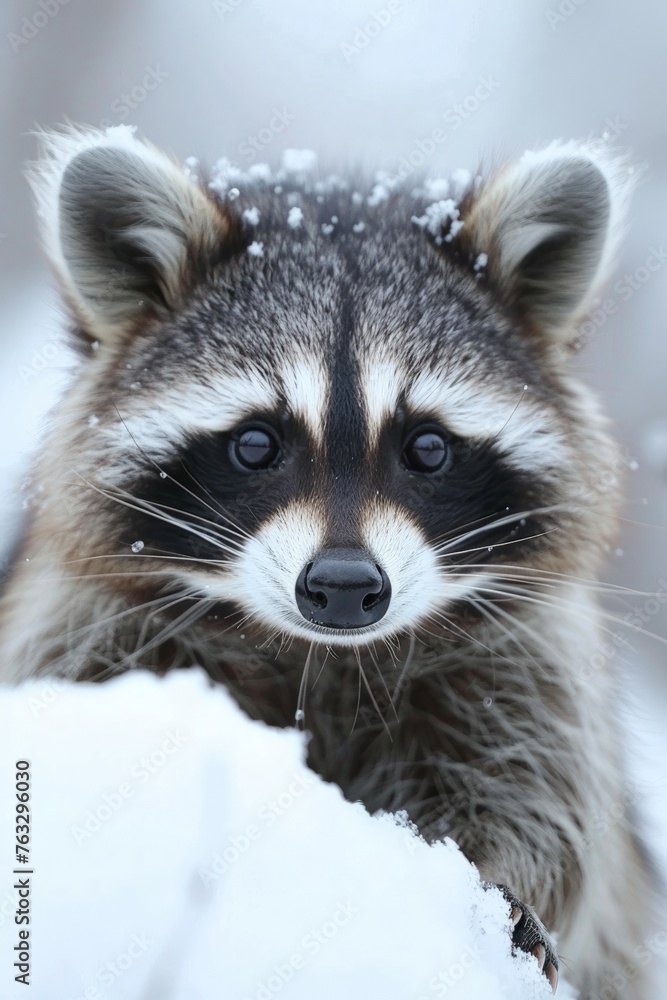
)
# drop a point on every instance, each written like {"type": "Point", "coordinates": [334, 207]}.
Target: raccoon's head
{"type": "Point", "coordinates": [330, 410]}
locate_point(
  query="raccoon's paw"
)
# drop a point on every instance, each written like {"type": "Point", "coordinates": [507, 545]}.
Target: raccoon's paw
{"type": "Point", "coordinates": [531, 936]}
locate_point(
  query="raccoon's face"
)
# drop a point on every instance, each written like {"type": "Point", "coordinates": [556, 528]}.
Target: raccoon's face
{"type": "Point", "coordinates": [325, 415]}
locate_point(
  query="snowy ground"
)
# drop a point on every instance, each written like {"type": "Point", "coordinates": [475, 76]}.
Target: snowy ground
{"type": "Point", "coordinates": [196, 858]}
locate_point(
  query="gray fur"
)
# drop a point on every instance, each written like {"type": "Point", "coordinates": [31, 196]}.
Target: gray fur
{"type": "Point", "coordinates": [547, 235]}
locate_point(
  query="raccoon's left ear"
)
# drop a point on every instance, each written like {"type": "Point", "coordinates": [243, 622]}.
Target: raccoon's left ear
{"type": "Point", "coordinates": [549, 227]}
{"type": "Point", "coordinates": [127, 231]}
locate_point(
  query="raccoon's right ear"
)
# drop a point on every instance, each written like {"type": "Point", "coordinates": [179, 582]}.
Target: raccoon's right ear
{"type": "Point", "coordinates": [126, 230]}
{"type": "Point", "coordinates": [548, 228]}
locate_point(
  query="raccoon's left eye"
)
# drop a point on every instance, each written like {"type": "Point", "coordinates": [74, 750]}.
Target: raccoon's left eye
{"type": "Point", "coordinates": [255, 448]}
{"type": "Point", "coordinates": [428, 451]}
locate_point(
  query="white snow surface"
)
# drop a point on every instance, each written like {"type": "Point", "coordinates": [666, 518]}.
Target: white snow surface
{"type": "Point", "coordinates": [182, 852]}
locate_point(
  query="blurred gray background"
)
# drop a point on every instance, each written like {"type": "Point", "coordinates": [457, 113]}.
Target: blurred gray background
{"type": "Point", "coordinates": [367, 81]}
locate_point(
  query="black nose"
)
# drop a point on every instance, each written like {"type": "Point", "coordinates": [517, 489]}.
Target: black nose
{"type": "Point", "coordinates": [342, 588]}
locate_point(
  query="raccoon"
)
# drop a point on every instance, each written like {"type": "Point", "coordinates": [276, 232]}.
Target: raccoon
{"type": "Point", "coordinates": [323, 441]}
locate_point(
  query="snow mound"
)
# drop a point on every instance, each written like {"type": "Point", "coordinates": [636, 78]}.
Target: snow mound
{"type": "Point", "coordinates": [180, 851]}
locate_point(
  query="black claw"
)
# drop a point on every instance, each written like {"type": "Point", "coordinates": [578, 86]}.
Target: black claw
{"type": "Point", "coordinates": [530, 935]}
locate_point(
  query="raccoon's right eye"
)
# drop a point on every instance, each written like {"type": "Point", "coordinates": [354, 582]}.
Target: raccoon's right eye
{"type": "Point", "coordinates": [255, 448]}
{"type": "Point", "coordinates": [428, 451]}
